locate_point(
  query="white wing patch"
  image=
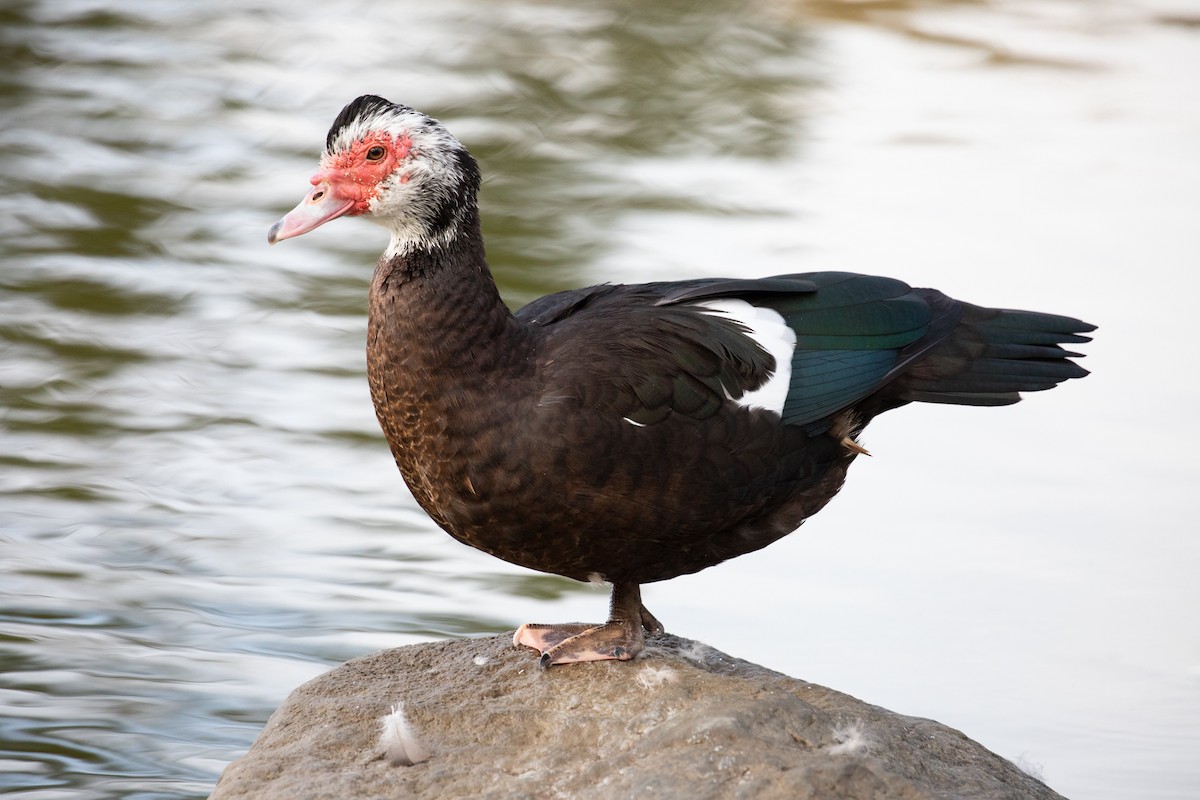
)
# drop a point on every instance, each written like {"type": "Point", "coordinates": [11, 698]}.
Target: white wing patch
{"type": "Point", "coordinates": [766, 327]}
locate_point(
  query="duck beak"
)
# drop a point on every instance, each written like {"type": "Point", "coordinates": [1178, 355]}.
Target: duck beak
{"type": "Point", "coordinates": [322, 204]}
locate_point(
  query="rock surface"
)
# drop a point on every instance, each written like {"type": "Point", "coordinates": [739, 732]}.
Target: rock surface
{"type": "Point", "coordinates": [682, 721]}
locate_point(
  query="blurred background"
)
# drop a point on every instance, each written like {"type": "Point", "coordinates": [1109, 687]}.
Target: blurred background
{"type": "Point", "coordinates": [198, 511]}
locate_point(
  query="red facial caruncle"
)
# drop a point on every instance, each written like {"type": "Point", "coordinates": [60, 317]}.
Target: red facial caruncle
{"type": "Point", "coordinates": [359, 170]}
{"type": "Point", "coordinates": [346, 183]}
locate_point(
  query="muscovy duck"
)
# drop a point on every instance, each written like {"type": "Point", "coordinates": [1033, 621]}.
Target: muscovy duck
{"type": "Point", "coordinates": [631, 433]}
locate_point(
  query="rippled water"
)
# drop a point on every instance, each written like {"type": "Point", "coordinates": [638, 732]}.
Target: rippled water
{"type": "Point", "coordinates": [197, 511]}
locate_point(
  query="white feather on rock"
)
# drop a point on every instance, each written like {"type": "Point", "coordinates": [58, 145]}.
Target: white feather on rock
{"type": "Point", "coordinates": [398, 740]}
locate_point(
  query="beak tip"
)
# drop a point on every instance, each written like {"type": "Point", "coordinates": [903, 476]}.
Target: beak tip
{"type": "Point", "coordinates": [310, 214]}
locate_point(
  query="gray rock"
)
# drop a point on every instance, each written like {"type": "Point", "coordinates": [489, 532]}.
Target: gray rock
{"type": "Point", "coordinates": [682, 721]}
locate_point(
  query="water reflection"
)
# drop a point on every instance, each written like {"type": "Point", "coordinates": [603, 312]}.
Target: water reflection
{"type": "Point", "coordinates": [198, 509]}
{"type": "Point", "coordinates": [182, 547]}
{"type": "Point", "coordinates": [578, 112]}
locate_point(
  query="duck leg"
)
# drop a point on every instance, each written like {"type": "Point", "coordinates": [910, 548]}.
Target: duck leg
{"type": "Point", "coordinates": [621, 638]}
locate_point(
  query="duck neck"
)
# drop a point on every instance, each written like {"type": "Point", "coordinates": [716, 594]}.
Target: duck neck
{"type": "Point", "coordinates": [434, 308]}
{"type": "Point", "coordinates": [440, 340]}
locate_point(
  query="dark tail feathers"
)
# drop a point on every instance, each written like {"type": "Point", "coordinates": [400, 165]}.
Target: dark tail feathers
{"type": "Point", "coordinates": [993, 354]}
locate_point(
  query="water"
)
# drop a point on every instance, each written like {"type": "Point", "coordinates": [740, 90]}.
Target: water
{"type": "Point", "coordinates": [197, 511]}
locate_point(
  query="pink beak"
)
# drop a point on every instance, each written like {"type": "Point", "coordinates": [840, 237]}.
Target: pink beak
{"type": "Point", "coordinates": [322, 204]}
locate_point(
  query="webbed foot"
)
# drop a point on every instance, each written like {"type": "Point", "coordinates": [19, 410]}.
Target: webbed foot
{"type": "Point", "coordinates": [620, 639]}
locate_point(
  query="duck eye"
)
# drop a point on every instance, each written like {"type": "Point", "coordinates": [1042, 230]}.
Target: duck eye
{"type": "Point", "coordinates": [375, 153]}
